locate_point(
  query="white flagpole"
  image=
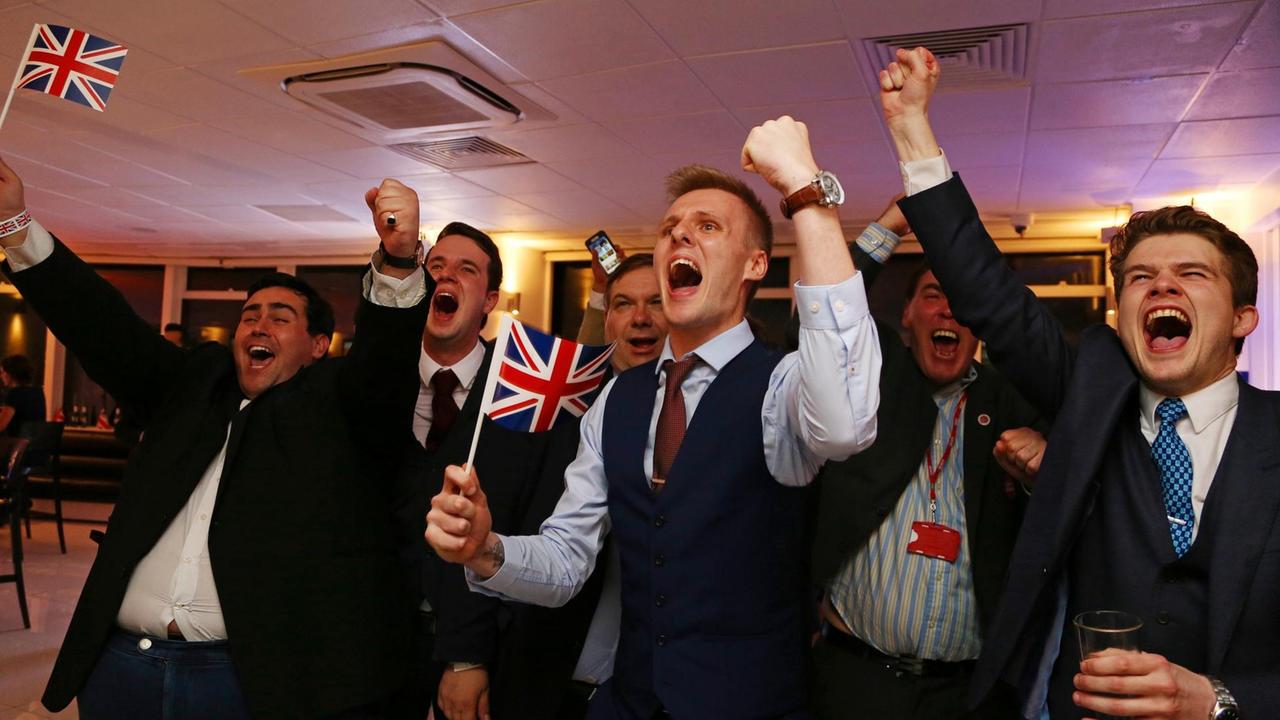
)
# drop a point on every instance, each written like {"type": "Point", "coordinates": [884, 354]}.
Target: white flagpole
{"type": "Point", "coordinates": [22, 62]}
{"type": "Point", "coordinates": [490, 384]}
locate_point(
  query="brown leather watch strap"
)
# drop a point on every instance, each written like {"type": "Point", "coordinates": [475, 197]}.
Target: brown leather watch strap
{"type": "Point", "coordinates": [805, 196]}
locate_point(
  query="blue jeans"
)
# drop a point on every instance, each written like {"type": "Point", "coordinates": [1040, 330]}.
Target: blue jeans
{"type": "Point", "coordinates": [139, 678]}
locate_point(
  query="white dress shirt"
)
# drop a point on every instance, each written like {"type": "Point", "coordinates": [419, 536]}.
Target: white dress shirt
{"type": "Point", "coordinates": [821, 404]}
{"type": "Point", "coordinates": [466, 370]}
{"type": "Point", "coordinates": [1211, 413]}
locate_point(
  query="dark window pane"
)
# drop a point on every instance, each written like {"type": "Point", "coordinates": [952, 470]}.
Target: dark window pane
{"type": "Point", "coordinates": [208, 278]}
{"type": "Point", "coordinates": [1076, 314]}
{"type": "Point", "coordinates": [214, 320]}
{"type": "Point", "coordinates": [779, 273]}
{"type": "Point", "coordinates": [343, 287]}
{"type": "Point", "coordinates": [142, 286]}
{"type": "Point", "coordinates": [24, 333]}
{"type": "Point", "coordinates": [1053, 269]}
{"type": "Point", "coordinates": [770, 318]}
{"type": "Point", "coordinates": [570, 288]}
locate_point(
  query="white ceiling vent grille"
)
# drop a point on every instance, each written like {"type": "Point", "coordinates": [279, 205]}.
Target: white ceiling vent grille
{"type": "Point", "coordinates": [403, 100]}
{"type": "Point", "coordinates": [973, 56]}
{"type": "Point", "coordinates": [465, 153]}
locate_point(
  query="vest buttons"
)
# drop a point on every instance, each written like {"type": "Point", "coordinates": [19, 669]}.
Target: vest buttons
{"type": "Point", "coordinates": [144, 644]}
{"type": "Point", "coordinates": [658, 560]}
{"type": "Point", "coordinates": [660, 600]}
{"type": "Point", "coordinates": [660, 521]}
{"type": "Point", "coordinates": [1162, 617]}
{"type": "Point", "coordinates": [662, 640]}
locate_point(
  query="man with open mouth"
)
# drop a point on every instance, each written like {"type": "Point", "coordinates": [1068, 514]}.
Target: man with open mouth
{"type": "Point", "coordinates": [697, 460]}
{"type": "Point", "coordinates": [913, 536]}
{"type": "Point", "coordinates": [249, 568]}
{"type": "Point", "coordinates": [1157, 494]}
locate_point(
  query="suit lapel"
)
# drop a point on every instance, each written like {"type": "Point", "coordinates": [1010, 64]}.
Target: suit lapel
{"type": "Point", "coordinates": [978, 438]}
{"type": "Point", "coordinates": [1244, 501]}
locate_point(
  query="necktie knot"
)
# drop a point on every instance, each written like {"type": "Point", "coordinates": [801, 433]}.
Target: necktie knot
{"type": "Point", "coordinates": [444, 382]}
{"type": "Point", "coordinates": [1171, 410]}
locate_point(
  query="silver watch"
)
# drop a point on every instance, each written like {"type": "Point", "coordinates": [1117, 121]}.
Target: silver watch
{"type": "Point", "coordinates": [1224, 705]}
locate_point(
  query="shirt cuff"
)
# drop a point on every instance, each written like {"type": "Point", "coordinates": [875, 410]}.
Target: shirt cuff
{"type": "Point", "coordinates": [832, 307]}
{"type": "Point", "coordinates": [500, 583]}
{"type": "Point", "coordinates": [388, 291]}
{"type": "Point", "coordinates": [596, 300]}
{"type": "Point", "coordinates": [879, 242]}
{"type": "Point", "coordinates": [920, 175]}
{"type": "Point", "coordinates": [33, 250]}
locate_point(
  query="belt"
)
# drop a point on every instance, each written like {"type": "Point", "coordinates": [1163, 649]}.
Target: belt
{"type": "Point", "coordinates": [919, 667]}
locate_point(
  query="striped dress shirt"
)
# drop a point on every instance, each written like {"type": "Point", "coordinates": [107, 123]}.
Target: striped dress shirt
{"type": "Point", "coordinates": [911, 605]}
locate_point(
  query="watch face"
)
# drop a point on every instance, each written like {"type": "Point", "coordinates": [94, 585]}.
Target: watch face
{"type": "Point", "coordinates": [832, 193]}
{"type": "Point", "coordinates": [1227, 713]}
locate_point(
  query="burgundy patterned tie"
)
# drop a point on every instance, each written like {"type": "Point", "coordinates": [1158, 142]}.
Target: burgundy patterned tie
{"type": "Point", "coordinates": [444, 409]}
{"type": "Point", "coordinates": [671, 420]}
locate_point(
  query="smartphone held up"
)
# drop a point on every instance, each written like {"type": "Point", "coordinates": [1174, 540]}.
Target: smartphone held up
{"type": "Point", "coordinates": [600, 246]}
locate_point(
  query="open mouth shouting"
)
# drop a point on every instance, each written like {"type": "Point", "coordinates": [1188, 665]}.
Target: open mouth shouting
{"type": "Point", "coordinates": [643, 344]}
{"type": "Point", "coordinates": [444, 304]}
{"type": "Point", "coordinates": [260, 356]}
{"type": "Point", "coordinates": [1166, 329]}
{"type": "Point", "coordinates": [945, 343]}
{"type": "Point", "coordinates": [683, 277]}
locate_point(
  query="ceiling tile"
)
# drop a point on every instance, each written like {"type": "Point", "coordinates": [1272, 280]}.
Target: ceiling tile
{"type": "Point", "coordinates": [717, 26]}
{"type": "Point", "coordinates": [1259, 46]}
{"type": "Point", "coordinates": [1115, 102]}
{"type": "Point", "coordinates": [640, 188]}
{"type": "Point", "coordinates": [1239, 94]}
{"type": "Point", "coordinates": [187, 93]}
{"type": "Point", "coordinates": [1193, 175]}
{"type": "Point", "coordinates": [430, 188]}
{"type": "Point", "coordinates": [529, 178]}
{"type": "Point", "coordinates": [568, 142]}
{"type": "Point", "coordinates": [554, 38]}
{"type": "Point", "coordinates": [980, 111]}
{"type": "Point", "coordinates": [228, 148]}
{"type": "Point", "coordinates": [116, 198]}
{"type": "Point", "coordinates": [1080, 8]}
{"type": "Point", "coordinates": [202, 30]}
{"type": "Point", "coordinates": [681, 133]}
{"type": "Point", "coordinates": [372, 162]}
{"type": "Point", "coordinates": [35, 173]}
{"type": "Point", "coordinates": [667, 88]}
{"type": "Point", "coordinates": [289, 132]}
{"type": "Point", "coordinates": [462, 7]}
{"type": "Point", "coordinates": [581, 209]}
{"type": "Point", "coordinates": [984, 150]}
{"type": "Point", "coordinates": [1061, 149]}
{"type": "Point", "coordinates": [833, 121]}
{"type": "Point", "coordinates": [864, 19]}
{"type": "Point", "coordinates": [1142, 44]}
{"type": "Point", "coordinates": [994, 188]}
{"type": "Point", "coordinates": [1243, 136]}
{"type": "Point", "coordinates": [785, 75]}
{"type": "Point", "coordinates": [306, 22]}
{"type": "Point", "coordinates": [491, 210]}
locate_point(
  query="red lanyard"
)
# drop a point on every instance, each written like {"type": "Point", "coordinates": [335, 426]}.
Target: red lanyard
{"type": "Point", "coordinates": [936, 470]}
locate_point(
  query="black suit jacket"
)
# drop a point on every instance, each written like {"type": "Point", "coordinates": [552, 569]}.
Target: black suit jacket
{"type": "Point", "coordinates": [856, 495]}
{"type": "Point", "coordinates": [1088, 391]}
{"type": "Point", "coordinates": [301, 537]}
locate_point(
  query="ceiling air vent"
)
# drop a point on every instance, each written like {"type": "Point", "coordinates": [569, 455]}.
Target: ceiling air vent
{"type": "Point", "coordinates": [973, 56]}
{"type": "Point", "coordinates": [465, 153]}
{"type": "Point", "coordinates": [402, 100]}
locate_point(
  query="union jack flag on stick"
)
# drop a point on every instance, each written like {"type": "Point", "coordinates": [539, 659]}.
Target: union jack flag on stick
{"type": "Point", "coordinates": [68, 63]}
{"type": "Point", "coordinates": [538, 380]}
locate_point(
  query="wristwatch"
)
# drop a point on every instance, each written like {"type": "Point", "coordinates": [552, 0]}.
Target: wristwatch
{"type": "Point", "coordinates": [1224, 705]}
{"type": "Point", "coordinates": [824, 190]}
{"type": "Point", "coordinates": [404, 263]}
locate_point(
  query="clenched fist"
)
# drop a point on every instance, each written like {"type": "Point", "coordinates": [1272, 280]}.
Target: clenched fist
{"type": "Point", "coordinates": [907, 84]}
{"type": "Point", "coordinates": [395, 199]}
{"type": "Point", "coordinates": [779, 152]}
{"type": "Point", "coordinates": [12, 203]}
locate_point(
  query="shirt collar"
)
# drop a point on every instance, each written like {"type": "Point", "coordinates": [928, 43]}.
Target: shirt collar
{"type": "Point", "coordinates": [716, 352]}
{"type": "Point", "coordinates": [1203, 406]}
{"type": "Point", "coordinates": [466, 368]}
{"type": "Point", "coordinates": [952, 389]}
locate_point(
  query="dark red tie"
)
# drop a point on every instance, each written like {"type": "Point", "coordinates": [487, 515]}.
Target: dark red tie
{"type": "Point", "coordinates": [444, 409]}
{"type": "Point", "coordinates": [671, 420]}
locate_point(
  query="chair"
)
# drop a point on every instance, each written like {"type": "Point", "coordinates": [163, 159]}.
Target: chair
{"type": "Point", "coordinates": [12, 499]}
{"type": "Point", "coordinates": [44, 459]}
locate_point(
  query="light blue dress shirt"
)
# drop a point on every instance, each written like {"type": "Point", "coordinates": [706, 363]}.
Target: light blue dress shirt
{"type": "Point", "coordinates": [820, 405]}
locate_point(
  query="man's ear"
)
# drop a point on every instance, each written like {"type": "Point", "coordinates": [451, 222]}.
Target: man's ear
{"type": "Point", "coordinates": [1244, 322]}
{"type": "Point", "coordinates": [320, 346]}
{"type": "Point", "coordinates": [490, 301]}
{"type": "Point", "coordinates": [757, 265]}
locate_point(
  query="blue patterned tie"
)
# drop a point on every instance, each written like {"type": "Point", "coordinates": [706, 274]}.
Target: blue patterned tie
{"type": "Point", "coordinates": [1175, 473]}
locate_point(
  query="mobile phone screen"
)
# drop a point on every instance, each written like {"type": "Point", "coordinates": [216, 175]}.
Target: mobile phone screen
{"type": "Point", "coordinates": [604, 252]}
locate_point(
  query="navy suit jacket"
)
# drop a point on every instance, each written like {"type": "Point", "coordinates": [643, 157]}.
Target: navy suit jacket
{"type": "Point", "coordinates": [1088, 391]}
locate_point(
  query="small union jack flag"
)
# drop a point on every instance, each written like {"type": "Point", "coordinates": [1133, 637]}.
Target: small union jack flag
{"type": "Point", "coordinates": [536, 380]}
{"type": "Point", "coordinates": [73, 65]}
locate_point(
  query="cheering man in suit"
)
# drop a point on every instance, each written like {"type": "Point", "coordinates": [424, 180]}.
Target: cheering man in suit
{"type": "Point", "coordinates": [1157, 494]}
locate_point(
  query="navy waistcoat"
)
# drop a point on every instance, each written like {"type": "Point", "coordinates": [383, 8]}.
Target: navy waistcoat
{"type": "Point", "coordinates": [712, 567]}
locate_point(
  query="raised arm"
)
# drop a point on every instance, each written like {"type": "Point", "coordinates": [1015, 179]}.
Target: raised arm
{"type": "Point", "coordinates": [118, 349]}
{"type": "Point", "coordinates": [1025, 340]}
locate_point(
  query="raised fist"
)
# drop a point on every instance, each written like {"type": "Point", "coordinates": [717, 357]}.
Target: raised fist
{"type": "Point", "coordinates": [11, 199]}
{"type": "Point", "coordinates": [779, 152]}
{"type": "Point", "coordinates": [394, 199]}
{"type": "Point", "coordinates": [907, 84]}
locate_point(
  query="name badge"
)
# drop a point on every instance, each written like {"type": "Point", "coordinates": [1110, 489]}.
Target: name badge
{"type": "Point", "coordinates": [934, 540]}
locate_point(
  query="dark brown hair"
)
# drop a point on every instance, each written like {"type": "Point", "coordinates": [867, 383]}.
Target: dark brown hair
{"type": "Point", "coordinates": [632, 262]}
{"type": "Point", "coordinates": [1238, 259]}
{"type": "Point", "coordinates": [484, 242]}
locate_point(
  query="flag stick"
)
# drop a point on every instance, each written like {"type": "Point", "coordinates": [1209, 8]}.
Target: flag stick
{"type": "Point", "coordinates": [490, 384]}
{"type": "Point", "coordinates": [22, 62]}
